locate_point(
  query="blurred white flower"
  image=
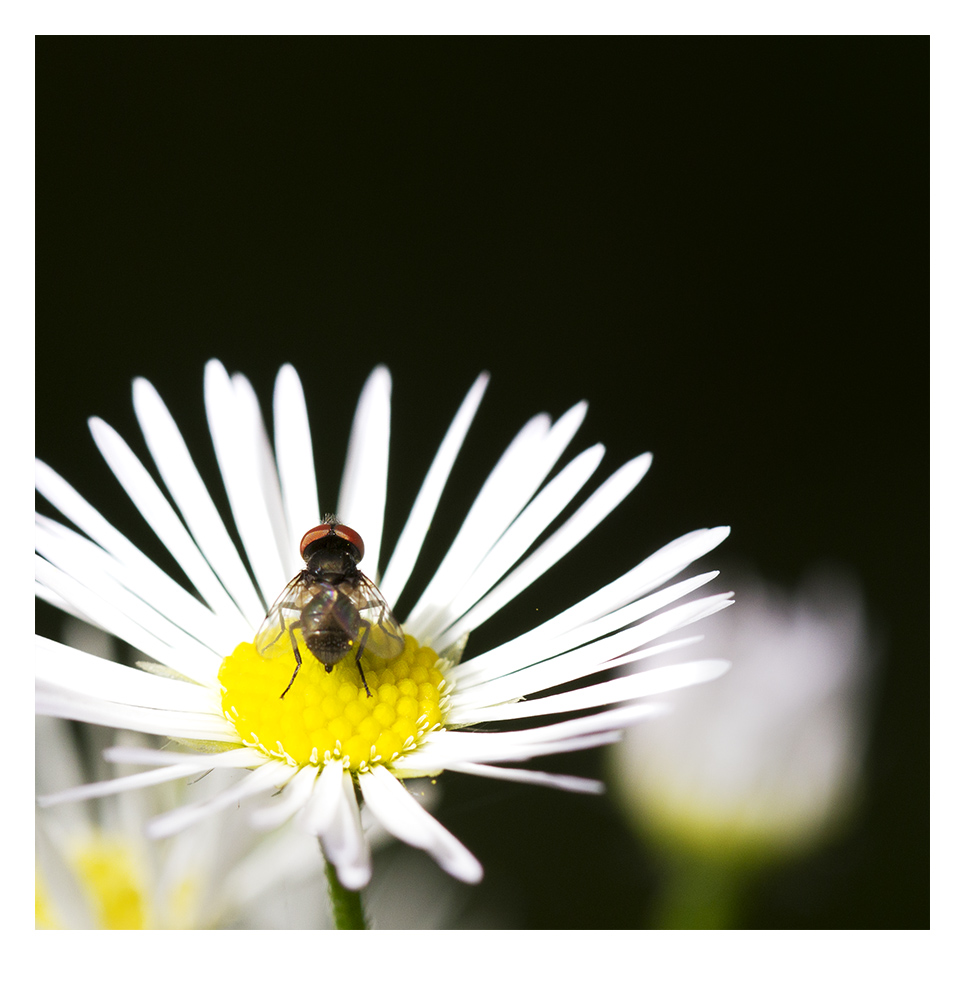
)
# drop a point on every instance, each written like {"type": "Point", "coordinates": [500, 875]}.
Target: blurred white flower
{"type": "Point", "coordinates": [767, 760]}
{"type": "Point", "coordinates": [95, 869]}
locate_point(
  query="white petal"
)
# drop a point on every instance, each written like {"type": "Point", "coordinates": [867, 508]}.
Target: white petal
{"type": "Point", "coordinates": [184, 483]}
{"type": "Point", "coordinates": [652, 572]}
{"type": "Point", "coordinates": [589, 515]}
{"type": "Point", "coordinates": [198, 632]}
{"type": "Point", "coordinates": [159, 514]}
{"type": "Point", "coordinates": [63, 704]}
{"type": "Point", "coordinates": [296, 462]}
{"type": "Point", "coordinates": [656, 569]}
{"type": "Point", "coordinates": [178, 765]}
{"type": "Point", "coordinates": [234, 445]}
{"type": "Point", "coordinates": [566, 782]}
{"type": "Point", "coordinates": [113, 786]}
{"type": "Point", "coordinates": [476, 748]}
{"type": "Point", "coordinates": [325, 801]}
{"type": "Point", "coordinates": [585, 660]}
{"type": "Point", "coordinates": [638, 655]}
{"type": "Point", "coordinates": [614, 720]}
{"type": "Point", "coordinates": [265, 468]}
{"type": "Point", "coordinates": [502, 496]}
{"type": "Point", "coordinates": [448, 748]}
{"type": "Point", "coordinates": [511, 657]}
{"type": "Point", "coordinates": [74, 670]}
{"type": "Point", "coordinates": [404, 818]}
{"type": "Point", "coordinates": [152, 580]}
{"type": "Point", "coordinates": [508, 489]}
{"type": "Point", "coordinates": [519, 536]}
{"type": "Point", "coordinates": [122, 615]}
{"type": "Point", "coordinates": [294, 796]}
{"type": "Point", "coordinates": [55, 600]}
{"type": "Point", "coordinates": [332, 814]}
{"type": "Point", "coordinates": [413, 534]}
{"type": "Point", "coordinates": [266, 776]}
{"type": "Point", "coordinates": [628, 688]}
{"type": "Point", "coordinates": [245, 757]}
{"type": "Point", "coordinates": [361, 497]}
{"type": "Point", "coordinates": [69, 502]}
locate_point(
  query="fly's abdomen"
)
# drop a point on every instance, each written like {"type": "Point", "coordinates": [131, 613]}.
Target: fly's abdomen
{"type": "Point", "coordinates": [329, 645]}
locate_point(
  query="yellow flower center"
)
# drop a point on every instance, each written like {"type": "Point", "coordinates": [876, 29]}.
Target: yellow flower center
{"type": "Point", "coordinates": [330, 715]}
{"type": "Point", "coordinates": [114, 875]}
{"type": "Point", "coordinates": [111, 874]}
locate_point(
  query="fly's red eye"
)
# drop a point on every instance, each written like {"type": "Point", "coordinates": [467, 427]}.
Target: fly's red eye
{"type": "Point", "coordinates": [350, 536]}
{"type": "Point", "coordinates": [313, 536]}
{"type": "Point", "coordinates": [340, 530]}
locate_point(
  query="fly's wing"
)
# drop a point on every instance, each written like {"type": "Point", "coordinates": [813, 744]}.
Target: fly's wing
{"type": "Point", "coordinates": [384, 636]}
{"type": "Point", "coordinates": [273, 638]}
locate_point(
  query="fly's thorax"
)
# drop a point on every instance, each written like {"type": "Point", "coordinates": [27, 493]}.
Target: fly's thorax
{"type": "Point", "coordinates": [327, 714]}
{"type": "Point", "coordinates": [331, 564]}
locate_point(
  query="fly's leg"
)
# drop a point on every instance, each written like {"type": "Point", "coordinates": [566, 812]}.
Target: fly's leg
{"type": "Point", "coordinates": [280, 608]}
{"type": "Point", "coordinates": [298, 658]}
{"type": "Point", "coordinates": [363, 637]}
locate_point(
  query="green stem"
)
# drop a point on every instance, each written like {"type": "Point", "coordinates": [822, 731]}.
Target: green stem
{"type": "Point", "coordinates": [701, 892]}
{"type": "Point", "coordinates": [347, 909]}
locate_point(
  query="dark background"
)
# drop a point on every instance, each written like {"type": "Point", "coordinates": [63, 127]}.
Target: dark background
{"type": "Point", "coordinates": [720, 243]}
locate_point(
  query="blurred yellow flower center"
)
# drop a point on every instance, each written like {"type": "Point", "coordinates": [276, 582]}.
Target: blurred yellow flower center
{"type": "Point", "coordinates": [114, 882]}
{"type": "Point", "coordinates": [111, 875]}
{"type": "Point", "coordinates": [329, 715]}
{"type": "Point", "coordinates": [115, 877]}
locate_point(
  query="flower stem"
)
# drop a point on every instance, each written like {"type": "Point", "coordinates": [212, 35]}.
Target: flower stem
{"type": "Point", "coordinates": [700, 892]}
{"type": "Point", "coordinates": [347, 909]}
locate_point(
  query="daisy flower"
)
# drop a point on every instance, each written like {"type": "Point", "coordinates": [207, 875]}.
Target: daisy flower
{"type": "Point", "coordinates": [348, 735]}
